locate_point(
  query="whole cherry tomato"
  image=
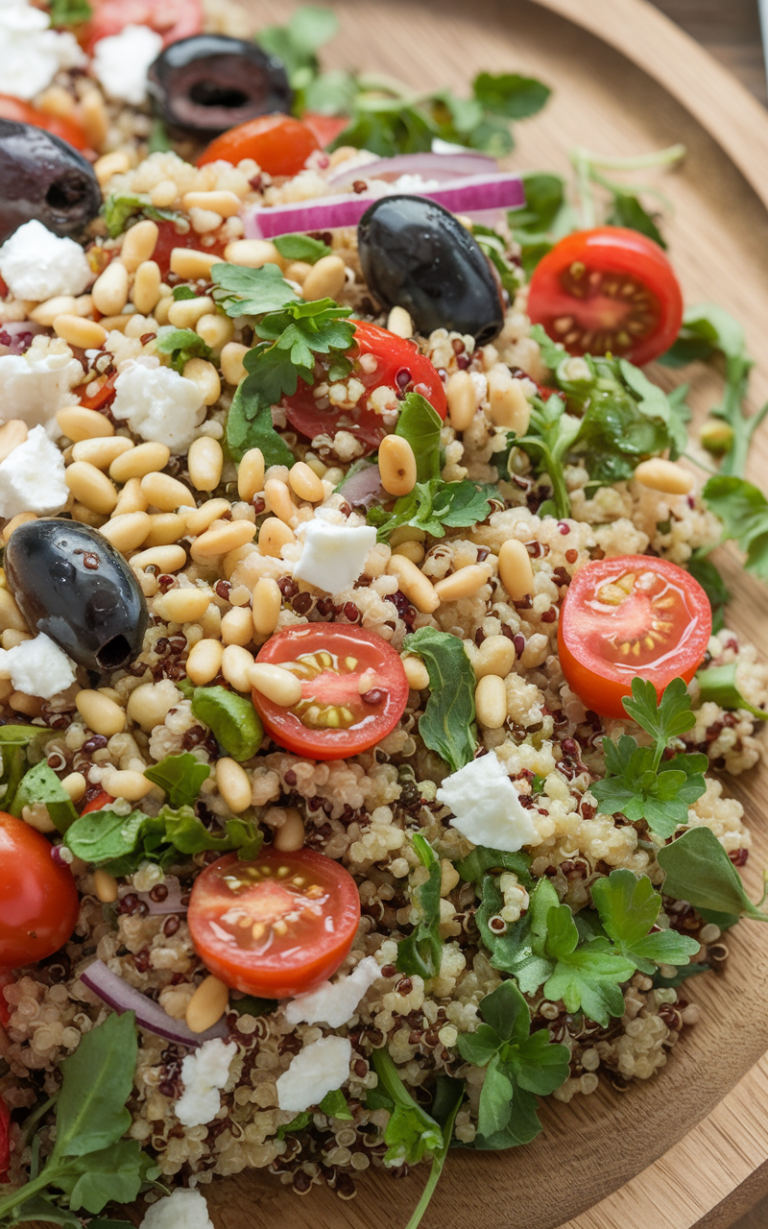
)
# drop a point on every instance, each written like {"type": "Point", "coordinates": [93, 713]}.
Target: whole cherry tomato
{"type": "Point", "coordinates": [61, 126]}
{"type": "Point", "coordinates": [174, 19]}
{"type": "Point", "coordinates": [279, 143]}
{"type": "Point", "coordinates": [38, 898]}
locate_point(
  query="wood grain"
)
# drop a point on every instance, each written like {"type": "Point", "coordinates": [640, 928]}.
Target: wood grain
{"type": "Point", "coordinates": [730, 31]}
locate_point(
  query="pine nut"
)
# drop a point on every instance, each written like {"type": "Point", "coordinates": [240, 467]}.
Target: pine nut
{"type": "Point", "coordinates": [183, 605]}
{"type": "Point", "coordinates": [234, 785]}
{"type": "Point", "coordinates": [306, 483]}
{"type": "Point", "coordinates": [515, 570]}
{"type": "Point", "coordinates": [277, 684]}
{"type": "Point", "coordinates": [165, 528]}
{"type": "Point", "coordinates": [10, 615]}
{"type": "Point", "coordinates": [95, 121]}
{"type": "Point", "coordinates": [85, 334]}
{"type": "Point", "coordinates": [289, 836]}
{"type": "Point", "coordinates": [298, 271]}
{"type": "Point", "coordinates": [327, 279]}
{"type": "Point", "coordinates": [416, 673]}
{"type": "Point", "coordinates": [45, 313]}
{"type": "Point", "coordinates": [665, 476]}
{"type": "Point", "coordinates": [166, 493]}
{"type": "Point", "coordinates": [237, 626]}
{"type": "Point", "coordinates": [252, 253]}
{"type": "Point", "coordinates": [110, 290]}
{"type": "Point", "coordinates": [279, 500]}
{"type": "Point", "coordinates": [150, 703]}
{"type": "Point", "coordinates": [411, 550]}
{"type": "Point", "coordinates": [91, 487]}
{"type": "Point", "coordinates": [267, 604]}
{"type": "Point", "coordinates": [250, 474]}
{"type": "Point", "coordinates": [100, 713]}
{"type": "Point", "coordinates": [207, 1005]}
{"type": "Point", "coordinates": [222, 539]}
{"type": "Point", "coordinates": [496, 655]}
{"type": "Point", "coordinates": [79, 423]}
{"type": "Point", "coordinates": [508, 404]}
{"type": "Point", "coordinates": [205, 461]}
{"type": "Point", "coordinates": [101, 452]}
{"type": "Point", "coordinates": [139, 244]}
{"type": "Point", "coordinates": [199, 520]}
{"type": "Point", "coordinates": [236, 665]}
{"type": "Point", "coordinates": [142, 460]}
{"type": "Point", "coordinates": [462, 400]}
{"type": "Point", "coordinates": [192, 266]}
{"type": "Point", "coordinates": [273, 536]}
{"type": "Point", "coordinates": [166, 558]}
{"type": "Point", "coordinates": [186, 312]}
{"type": "Point", "coordinates": [399, 322]}
{"type": "Point", "coordinates": [75, 784]}
{"type": "Point", "coordinates": [12, 433]}
{"type": "Point", "coordinates": [86, 516]}
{"type": "Point", "coordinates": [10, 638]}
{"type": "Point", "coordinates": [204, 661]}
{"type": "Point", "coordinates": [397, 465]}
{"type": "Point", "coordinates": [491, 702]}
{"type": "Point", "coordinates": [414, 584]}
{"type": "Point", "coordinates": [225, 204]}
{"type": "Point", "coordinates": [84, 305]}
{"type": "Point", "coordinates": [232, 356]}
{"type": "Point", "coordinates": [127, 532]}
{"type": "Point", "coordinates": [146, 287]}
{"type": "Point", "coordinates": [215, 330]}
{"type": "Point", "coordinates": [464, 583]}
{"type": "Point", "coordinates": [131, 499]}
{"type": "Point", "coordinates": [20, 519]}
{"type": "Point", "coordinates": [105, 886]}
{"type": "Point", "coordinates": [116, 163]}
{"type": "Point", "coordinates": [132, 786]}
{"type": "Point", "coordinates": [206, 377]}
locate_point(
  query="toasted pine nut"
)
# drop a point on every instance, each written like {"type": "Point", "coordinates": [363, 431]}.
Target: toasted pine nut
{"type": "Point", "coordinates": [279, 500]}
{"type": "Point", "coordinates": [139, 244]}
{"type": "Point", "coordinates": [400, 323]}
{"type": "Point", "coordinates": [205, 461]}
{"type": "Point", "coordinates": [185, 313]}
{"type": "Point", "coordinates": [110, 290]}
{"type": "Point", "coordinates": [212, 510]}
{"type": "Point", "coordinates": [20, 519]}
{"type": "Point", "coordinates": [463, 583]}
{"type": "Point", "coordinates": [236, 665]}
{"type": "Point", "coordinates": [166, 493]}
{"type": "Point", "coordinates": [252, 253]}
{"type": "Point", "coordinates": [185, 605]}
{"type": "Point", "coordinates": [273, 536]}
{"type": "Point", "coordinates": [267, 603]}
{"type": "Point", "coordinates": [128, 531]}
{"type": "Point", "coordinates": [397, 465]}
{"type": "Point", "coordinates": [515, 570]}
{"type": "Point", "coordinates": [204, 661]}
{"type": "Point", "coordinates": [45, 313]}
{"type": "Point", "coordinates": [165, 528]}
{"type": "Point", "coordinates": [277, 684]}
{"type": "Point", "coordinates": [84, 305]}
{"type": "Point", "coordinates": [298, 271]}
{"type": "Point", "coordinates": [12, 433]}
{"type": "Point", "coordinates": [116, 163]}
{"type": "Point", "coordinates": [306, 483]}
{"type": "Point", "coordinates": [101, 452]}
{"type": "Point", "coordinates": [225, 204]}
{"type": "Point", "coordinates": [142, 460]}
{"type": "Point", "coordinates": [87, 516]}
{"type": "Point", "coordinates": [491, 702]}
{"type": "Point", "coordinates": [326, 281]}
{"type": "Point", "coordinates": [232, 368]}
{"type": "Point", "coordinates": [206, 377]}
{"type": "Point", "coordinates": [666, 476]}
{"type": "Point", "coordinates": [166, 558]}
{"type": "Point", "coordinates": [237, 626]}
{"type": "Point", "coordinates": [234, 785]}
{"type": "Point", "coordinates": [508, 404]}
{"type": "Point", "coordinates": [146, 286]}
{"type": "Point", "coordinates": [215, 330]}
{"type": "Point", "coordinates": [93, 114]}
{"type": "Point", "coordinates": [85, 334]}
{"type": "Point", "coordinates": [162, 307]}
{"type": "Point", "coordinates": [250, 474]}
{"type": "Point", "coordinates": [289, 836]}
{"type": "Point", "coordinates": [462, 400]}
{"type": "Point", "coordinates": [207, 1005]}
{"type": "Point", "coordinates": [496, 655]}
{"type": "Point", "coordinates": [10, 638]}
{"type": "Point", "coordinates": [416, 673]}
{"type": "Point", "coordinates": [164, 194]}
{"type": "Point", "coordinates": [191, 265]}
{"type": "Point", "coordinates": [100, 713]}
{"type": "Point", "coordinates": [414, 584]}
{"type": "Point", "coordinates": [412, 550]}
{"type": "Point", "coordinates": [91, 487]}
{"type": "Point", "coordinates": [79, 423]}
{"type": "Point", "coordinates": [131, 499]}
{"type": "Point", "coordinates": [222, 539]}
{"type": "Point", "coordinates": [127, 784]}
{"type": "Point", "coordinates": [75, 784]}
{"type": "Point", "coordinates": [105, 886]}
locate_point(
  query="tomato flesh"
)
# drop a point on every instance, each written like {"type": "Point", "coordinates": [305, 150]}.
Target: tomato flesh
{"type": "Point", "coordinates": [174, 19]}
{"type": "Point", "coordinates": [38, 898]}
{"type": "Point", "coordinates": [277, 926]}
{"type": "Point", "coordinates": [169, 238]}
{"type": "Point", "coordinates": [279, 143]}
{"type": "Point", "coordinates": [325, 127]}
{"type": "Point", "coordinates": [333, 719]}
{"type": "Point", "coordinates": [99, 803]}
{"type": "Point", "coordinates": [60, 126]}
{"type": "Point", "coordinates": [631, 617]}
{"type": "Point", "coordinates": [607, 290]}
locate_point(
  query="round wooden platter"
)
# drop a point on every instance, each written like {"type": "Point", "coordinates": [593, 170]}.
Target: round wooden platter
{"type": "Point", "coordinates": [685, 1148]}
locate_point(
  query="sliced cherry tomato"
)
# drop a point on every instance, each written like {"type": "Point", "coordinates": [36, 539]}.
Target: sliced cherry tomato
{"type": "Point", "coordinates": [99, 803]}
{"type": "Point", "coordinates": [38, 898]}
{"type": "Point", "coordinates": [631, 617]}
{"type": "Point", "coordinates": [607, 290]}
{"type": "Point", "coordinates": [5, 1140]}
{"type": "Point", "coordinates": [169, 237]}
{"type": "Point", "coordinates": [68, 129]}
{"type": "Point", "coordinates": [105, 392]}
{"type": "Point", "coordinates": [6, 979]}
{"type": "Point", "coordinates": [399, 366]}
{"type": "Point", "coordinates": [332, 719]}
{"type": "Point", "coordinates": [174, 19]}
{"type": "Point", "coordinates": [325, 127]}
{"type": "Point", "coordinates": [276, 926]}
{"type": "Point", "coordinates": [279, 143]}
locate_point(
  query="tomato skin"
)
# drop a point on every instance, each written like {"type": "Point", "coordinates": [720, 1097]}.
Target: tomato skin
{"type": "Point", "coordinates": [325, 127]}
{"type": "Point", "coordinates": [99, 803]}
{"type": "Point", "coordinates": [67, 129]}
{"type": "Point", "coordinates": [371, 653]}
{"type": "Point", "coordinates": [38, 898]}
{"type": "Point", "coordinates": [682, 626]}
{"type": "Point", "coordinates": [279, 143]}
{"type": "Point", "coordinates": [174, 19]}
{"type": "Point", "coordinates": [611, 250]}
{"type": "Point", "coordinates": [169, 238]}
{"type": "Point", "coordinates": [293, 963]}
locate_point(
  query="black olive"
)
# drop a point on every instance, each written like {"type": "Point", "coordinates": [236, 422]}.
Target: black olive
{"type": "Point", "coordinates": [42, 178]}
{"type": "Point", "coordinates": [205, 84]}
{"type": "Point", "coordinates": [416, 255]}
{"type": "Point", "coordinates": [70, 583]}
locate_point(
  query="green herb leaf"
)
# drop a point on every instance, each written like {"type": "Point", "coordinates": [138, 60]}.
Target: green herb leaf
{"type": "Point", "coordinates": [699, 871]}
{"type": "Point", "coordinates": [182, 345]}
{"type": "Point", "coordinates": [447, 725]}
{"type": "Point", "coordinates": [298, 1123]}
{"type": "Point", "coordinates": [476, 865]}
{"type": "Point", "coordinates": [120, 208]}
{"type": "Point", "coordinates": [182, 293]}
{"type": "Point", "coordinates": [69, 13]}
{"type": "Point", "coordinates": [586, 977]}
{"type": "Point", "coordinates": [334, 1104]}
{"type": "Point", "coordinates": [251, 292]}
{"type": "Point", "coordinates": [627, 211]}
{"type": "Point", "coordinates": [181, 776]}
{"type": "Point", "coordinates": [301, 247]}
{"type": "Point", "coordinates": [97, 1081]}
{"type": "Point", "coordinates": [718, 683]}
{"type": "Point", "coordinates": [41, 784]}
{"type": "Point", "coordinates": [250, 425]}
{"type": "Point", "coordinates": [120, 843]}
{"type": "Point", "coordinates": [663, 719]}
{"type": "Point", "coordinates": [510, 95]}
{"type": "Point", "coordinates": [520, 949]}
{"type": "Point", "coordinates": [232, 718]}
{"type": "Point", "coordinates": [548, 440]}
{"type": "Point", "coordinates": [421, 952]}
{"type": "Point", "coordinates": [743, 509]}
{"type": "Point", "coordinates": [159, 142]}
{"type": "Point", "coordinates": [434, 507]}
{"type": "Point", "coordinates": [250, 1005]}
{"type": "Point", "coordinates": [420, 425]}
{"type": "Point", "coordinates": [411, 1132]}
{"type": "Point", "coordinates": [628, 907]}
{"type": "Point", "coordinates": [297, 43]}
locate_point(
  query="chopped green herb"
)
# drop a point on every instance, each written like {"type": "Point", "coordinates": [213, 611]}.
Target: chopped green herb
{"type": "Point", "coordinates": [421, 951]}
{"type": "Point", "coordinates": [182, 345]}
{"type": "Point", "coordinates": [181, 776]}
{"type": "Point", "coordinates": [120, 208]}
{"type": "Point", "coordinates": [718, 683]}
{"type": "Point", "coordinates": [235, 723]}
{"type": "Point", "coordinates": [420, 424]}
{"type": "Point", "coordinates": [448, 723]}
{"type": "Point", "coordinates": [301, 247]}
{"type": "Point", "coordinates": [628, 907]}
{"type": "Point", "coordinates": [434, 507]}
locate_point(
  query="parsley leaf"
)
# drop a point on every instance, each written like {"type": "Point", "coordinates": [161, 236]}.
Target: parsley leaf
{"type": "Point", "coordinates": [420, 424]}
{"type": "Point", "coordinates": [628, 907]}
{"type": "Point", "coordinates": [334, 1104]}
{"type": "Point", "coordinates": [433, 506]}
{"type": "Point", "coordinates": [510, 95]}
{"type": "Point", "coordinates": [182, 345]}
{"type": "Point", "coordinates": [743, 509]}
{"type": "Point", "coordinates": [626, 210]}
{"type": "Point", "coordinates": [421, 951]}
{"type": "Point", "coordinates": [298, 42]}
{"type": "Point", "coordinates": [586, 976]}
{"type": "Point", "coordinates": [663, 719]}
{"type": "Point", "coordinates": [520, 949]}
{"type": "Point", "coordinates": [120, 843]}
{"type": "Point", "coordinates": [718, 683]}
{"type": "Point", "coordinates": [699, 871]}
{"type": "Point", "coordinates": [180, 776]}
{"type": "Point", "coordinates": [251, 292]}
{"type": "Point", "coordinates": [545, 217]}
{"type": "Point", "coordinates": [301, 247]}
{"type": "Point", "coordinates": [548, 440]}
{"type": "Point", "coordinates": [120, 207]}
{"type": "Point", "coordinates": [447, 725]}
{"type": "Point", "coordinates": [482, 859]}
{"type": "Point", "coordinates": [250, 425]}
{"type": "Point", "coordinates": [69, 12]}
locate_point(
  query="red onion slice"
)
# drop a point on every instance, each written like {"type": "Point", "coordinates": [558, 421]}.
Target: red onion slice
{"type": "Point", "coordinates": [363, 489]}
{"type": "Point", "coordinates": [431, 166]}
{"type": "Point", "coordinates": [117, 994]}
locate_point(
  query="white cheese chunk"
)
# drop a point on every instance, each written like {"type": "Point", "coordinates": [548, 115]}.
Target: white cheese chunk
{"type": "Point", "coordinates": [158, 404]}
{"type": "Point", "coordinates": [32, 477]}
{"type": "Point", "coordinates": [30, 53]}
{"type": "Point", "coordinates": [334, 1003]}
{"type": "Point", "coordinates": [120, 62]}
{"type": "Point", "coordinates": [333, 556]}
{"type": "Point", "coordinates": [36, 264]}
{"type": "Point", "coordinates": [37, 667]}
{"type": "Point", "coordinates": [34, 386]}
{"type": "Point", "coordinates": [204, 1073]}
{"type": "Point", "coordinates": [319, 1068]}
{"type": "Point", "coordinates": [182, 1210]}
{"type": "Point", "coordinates": [486, 806]}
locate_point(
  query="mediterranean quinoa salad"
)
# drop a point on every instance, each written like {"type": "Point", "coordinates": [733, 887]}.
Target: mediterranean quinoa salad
{"type": "Point", "coordinates": [367, 701]}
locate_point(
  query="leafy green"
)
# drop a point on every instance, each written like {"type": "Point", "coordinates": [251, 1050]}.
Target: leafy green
{"type": "Point", "coordinates": [298, 1123]}
{"type": "Point", "coordinates": [421, 952]}
{"type": "Point", "coordinates": [743, 509]}
{"type": "Point", "coordinates": [249, 1005]}
{"type": "Point", "coordinates": [545, 217]}
{"type": "Point", "coordinates": [699, 871]}
{"type": "Point", "coordinates": [420, 424]}
{"type": "Point", "coordinates": [510, 95]}
{"type": "Point", "coordinates": [334, 1104]}
{"type": "Point", "coordinates": [482, 859]}
{"type": "Point", "coordinates": [250, 425]}
{"type": "Point", "coordinates": [297, 43]}
{"type": "Point", "coordinates": [628, 907]}
{"type": "Point", "coordinates": [159, 142]}
{"type": "Point", "coordinates": [14, 741]}
{"type": "Point", "coordinates": [627, 210]}
{"type": "Point", "coordinates": [69, 13]}
{"type": "Point", "coordinates": [182, 293]}
{"type": "Point", "coordinates": [182, 345]}
{"type": "Point", "coordinates": [41, 784]}
{"type": "Point", "coordinates": [433, 506]}
{"type": "Point", "coordinates": [301, 247]}
{"type": "Point", "coordinates": [119, 208]}
{"type": "Point", "coordinates": [251, 292]}
{"type": "Point", "coordinates": [718, 683]}
{"type": "Point", "coordinates": [519, 949]}
{"type": "Point", "coordinates": [181, 776]}
{"type": "Point", "coordinates": [586, 976]}
{"type": "Point", "coordinates": [704, 571]}
{"type": "Point", "coordinates": [447, 725]}
{"type": "Point", "coordinates": [495, 248]}
{"type": "Point", "coordinates": [548, 440]}
{"type": "Point", "coordinates": [410, 1132]}
{"type": "Point", "coordinates": [235, 723]}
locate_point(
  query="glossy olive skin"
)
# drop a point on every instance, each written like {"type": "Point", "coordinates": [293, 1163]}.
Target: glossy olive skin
{"type": "Point", "coordinates": [416, 255]}
{"type": "Point", "coordinates": [70, 583]}
{"type": "Point", "coordinates": [203, 85]}
{"type": "Point", "coordinates": [44, 179]}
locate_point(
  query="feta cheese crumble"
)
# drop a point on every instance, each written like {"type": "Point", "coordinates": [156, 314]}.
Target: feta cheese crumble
{"type": "Point", "coordinates": [30, 53]}
{"type": "Point", "coordinates": [36, 264]}
{"type": "Point", "coordinates": [204, 1073]}
{"type": "Point", "coordinates": [334, 1003]}
{"type": "Point", "coordinates": [319, 1068]}
{"type": "Point", "coordinates": [182, 1210]}
{"type": "Point", "coordinates": [486, 806]}
{"type": "Point", "coordinates": [158, 404]}
{"type": "Point", "coordinates": [333, 556]}
{"type": "Point", "coordinates": [37, 667]}
{"type": "Point", "coordinates": [35, 385]}
{"type": "Point", "coordinates": [120, 62]}
{"type": "Point", "coordinates": [32, 477]}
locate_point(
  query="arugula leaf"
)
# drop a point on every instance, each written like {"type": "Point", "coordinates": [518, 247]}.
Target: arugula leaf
{"type": "Point", "coordinates": [119, 208]}
{"type": "Point", "coordinates": [718, 683]}
{"type": "Point", "coordinates": [182, 345]}
{"type": "Point", "coordinates": [235, 723]}
{"type": "Point", "coordinates": [476, 865]}
{"type": "Point", "coordinates": [69, 13]}
{"type": "Point", "coordinates": [334, 1104]}
{"type": "Point", "coordinates": [510, 95]}
{"type": "Point", "coordinates": [120, 843]}
{"type": "Point", "coordinates": [421, 952]}
{"type": "Point", "coordinates": [420, 424]}
{"type": "Point", "coordinates": [301, 247]}
{"type": "Point", "coordinates": [699, 871]}
{"type": "Point", "coordinates": [704, 571]}
{"type": "Point", "coordinates": [41, 784]}
{"type": "Point", "coordinates": [628, 907]}
{"type": "Point", "coordinates": [447, 725]}
{"type": "Point", "coordinates": [743, 509]}
{"type": "Point", "coordinates": [434, 507]}
{"type": "Point", "coordinates": [181, 776]}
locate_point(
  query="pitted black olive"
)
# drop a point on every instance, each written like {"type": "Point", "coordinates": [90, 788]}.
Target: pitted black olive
{"type": "Point", "coordinates": [70, 583]}
{"type": "Point", "coordinates": [416, 255]}
{"type": "Point", "coordinates": [43, 178]}
{"type": "Point", "coordinates": [205, 84]}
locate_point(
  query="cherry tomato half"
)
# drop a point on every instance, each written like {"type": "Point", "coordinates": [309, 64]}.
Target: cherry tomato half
{"type": "Point", "coordinates": [607, 290]}
{"type": "Point", "coordinates": [279, 143]}
{"type": "Point", "coordinates": [38, 898]}
{"type": "Point", "coordinates": [631, 617]}
{"type": "Point", "coordinates": [174, 19]}
{"type": "Point", "coordinates": [332, 719]}
{"type": "Point", "coordinates": [276, 926]}
{"type": "Point", "coordinates": [99, 803]}
{"type": "Point", "coordinates": [325, 127]}
{"type": "Point", "coordinates": [399, 366]}
{"type": "Point", "coordinates": [6, 979]}
{"type": "Point", "coordinates": [21, 112]}
{"type": "Point", "coordinates": [168, 238]}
